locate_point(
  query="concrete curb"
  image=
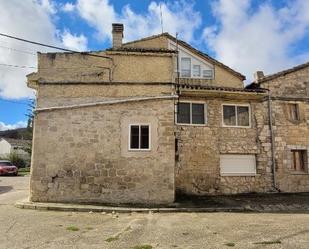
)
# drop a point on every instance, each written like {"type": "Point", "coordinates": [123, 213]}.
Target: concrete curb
{"type": "Point", "coordinates": [109, 209]}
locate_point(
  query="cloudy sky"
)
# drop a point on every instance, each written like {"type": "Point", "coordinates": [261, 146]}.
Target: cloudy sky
{"type": "Point", "coordinates": [247, 35]}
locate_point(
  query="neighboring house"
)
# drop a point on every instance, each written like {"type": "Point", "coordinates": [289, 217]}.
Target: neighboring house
{"type": "Point", "coordinates": [123, 126]}
{"type": "Point", "coordinates": [17, 146]}
{"type": "Point", "coordinates": [289, 91]}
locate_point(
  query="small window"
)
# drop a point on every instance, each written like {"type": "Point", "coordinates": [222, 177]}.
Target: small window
{"type": "Point", "coordinates": [208, 74]}
{"type": "Point", "coordinates": [234, 115]}
{"type": "Point", "coordinates": [139, 137]}
{"type": "Point", "coordinates": [185, 67]}
{"type": "Point", "coordinates": [299, 160]}
{"type": "Point", "coordinates": [191, 113]}
{"type": "Point", "coordinates": [196, 71]}
{"type": "Point", "coordinates": [294, 112]}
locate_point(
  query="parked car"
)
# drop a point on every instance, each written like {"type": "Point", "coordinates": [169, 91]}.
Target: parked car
{"type": "Point", "coordinates": [7, 168]}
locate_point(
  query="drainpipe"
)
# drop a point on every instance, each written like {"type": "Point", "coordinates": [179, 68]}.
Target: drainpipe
{"type": "Point", "coordinates": [272, 139]}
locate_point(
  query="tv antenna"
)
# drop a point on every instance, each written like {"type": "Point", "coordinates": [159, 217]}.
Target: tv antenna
{"type": "Point", "coordinates": [161, 17]}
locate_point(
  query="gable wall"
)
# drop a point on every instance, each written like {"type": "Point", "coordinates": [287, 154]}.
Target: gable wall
{"type": "Point", "coordinates": [222, 76]}
{"type": "Point", "coordinates": [157, 42]}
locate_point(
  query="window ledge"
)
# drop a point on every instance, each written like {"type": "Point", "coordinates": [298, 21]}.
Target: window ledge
{"type": "Point", "coordinates": [245, 127]}
{"type": "Point", "coordinates": [299, 173]}
{"type": "Point", "coordinates": [199, 125]}
{"type": "Point", "coordinates": [139, 150]}
{"type": "Point", "coordinates": [239, 174]}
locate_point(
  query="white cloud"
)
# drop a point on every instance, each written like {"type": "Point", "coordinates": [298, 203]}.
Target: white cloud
{"type": "Point", "coordinates": [20, 124]}
{"type": "Point", "coordinates": [48, 6]}
{"type": "Point", "coordinates": [178, 16]}
{"type": "Point", "coordinates": [262, 39]}
{"type": "Point", "coordinates": [68, 7]}
{"type": "Point", "coordinates": [33, 20]}
{"type": "Point", "coordinates": [74, 42]}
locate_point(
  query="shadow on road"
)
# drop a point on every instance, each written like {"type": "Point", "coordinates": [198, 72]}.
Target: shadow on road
{"type": "Point", "coordinates": [4, 189]}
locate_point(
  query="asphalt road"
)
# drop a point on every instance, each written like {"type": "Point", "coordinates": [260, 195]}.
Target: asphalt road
{"type": "Point", "coordinates": [47, 229]}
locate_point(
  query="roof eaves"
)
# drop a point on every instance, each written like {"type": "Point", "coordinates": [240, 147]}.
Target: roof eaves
{"type": "Point", "coordinates": [282, 73]}
{"type": "Point", "coordinates": [219, 88]}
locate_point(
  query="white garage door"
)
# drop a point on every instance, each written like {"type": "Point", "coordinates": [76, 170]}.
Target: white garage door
{"type": "Point", "coordinates": [237, 165]}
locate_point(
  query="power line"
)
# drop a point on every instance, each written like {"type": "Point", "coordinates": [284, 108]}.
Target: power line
{"type": "Point", "coordinates": [17, 50]}
{"type": "Point", "coordinates": [17, 66]}
{"type": "Point", "coordinates": [51, 46]}
{"type": "Point", "coordinates": [48, 68]}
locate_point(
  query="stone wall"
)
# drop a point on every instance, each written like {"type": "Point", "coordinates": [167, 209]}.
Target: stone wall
{"type": "Point", "coordinates": [81, 155]}
{"type": "Point", "coordinates": [121, 67]}
{"type": "Point", "coordinates": [153, 42]}
{"type": "Point", "coordinates": [198, 166]}
{"type": "Point", "coordinates": [292, 88]}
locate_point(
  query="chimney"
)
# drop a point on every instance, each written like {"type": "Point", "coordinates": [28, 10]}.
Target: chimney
{"type": "Point", "coordinates": [258, 75]}
{"type": "Point", "coordinates": [117, 33]}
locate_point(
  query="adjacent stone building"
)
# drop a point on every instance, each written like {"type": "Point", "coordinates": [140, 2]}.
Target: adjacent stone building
{"type": "Point", "coordinates": [148, 119]}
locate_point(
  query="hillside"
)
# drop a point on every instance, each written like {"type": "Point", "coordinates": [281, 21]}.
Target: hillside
{"type": "Point", "coordinates": [20, 133]}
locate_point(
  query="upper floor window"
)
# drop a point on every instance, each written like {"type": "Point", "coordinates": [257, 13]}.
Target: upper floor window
{"type": "Point", "coordinates": [294, 112]}
{"type": "Point", "coordinates": [236, 115]}
{"type": "Point", "coordinates": [208, 74]}
{"type": "Point", "coordinates": [185, 67]}
{"type": "Point", "coordinates": [196, 71]}
{"type": "Point", "coordinates": [191, 113]}
{"type": "Point", "coordinates": [299, 160]}
{"type": "Point", "coordinates": [139, 137]}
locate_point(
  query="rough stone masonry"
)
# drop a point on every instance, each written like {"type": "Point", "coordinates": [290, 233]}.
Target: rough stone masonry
{"type": "Point", "coordinates": [86, 105]}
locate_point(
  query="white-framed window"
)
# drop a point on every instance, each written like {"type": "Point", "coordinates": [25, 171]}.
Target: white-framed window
{"type": "Point", "coordinates": [185, 67]}
{"type": "Point", "coordinates": [191, 113]}
{"type": "Point", "coordinates": [139, 137]}
{"type": "Point", "coordinates": [237, 165]}
{"type": "Point", "coordinates": [208, 74]}
{"type": "Point", "coordinates": [236, 115]}
{"type": "Point", "coordinates": [196, 71]}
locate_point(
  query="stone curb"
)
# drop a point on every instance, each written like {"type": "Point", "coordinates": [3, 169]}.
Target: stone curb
{"type": "Point", "coordinates": [110, 209]}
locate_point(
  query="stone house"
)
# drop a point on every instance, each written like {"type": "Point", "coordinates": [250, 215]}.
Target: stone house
{"type": "Point", "coordinates": [147, 119]}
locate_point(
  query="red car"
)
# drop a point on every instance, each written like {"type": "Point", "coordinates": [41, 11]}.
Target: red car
{"type": "Point", "coordinates": [7, 168]}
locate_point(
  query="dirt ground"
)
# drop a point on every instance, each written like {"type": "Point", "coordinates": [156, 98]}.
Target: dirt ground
{"type": "Point", "coordinates": [21, 228]}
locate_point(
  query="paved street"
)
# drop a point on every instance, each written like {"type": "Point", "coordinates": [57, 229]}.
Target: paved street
{"type": "Point", "coordinates": [47, 229]}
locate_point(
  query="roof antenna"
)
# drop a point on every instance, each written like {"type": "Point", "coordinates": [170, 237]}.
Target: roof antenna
{"type": "Point", "coordinates": [161, 18]}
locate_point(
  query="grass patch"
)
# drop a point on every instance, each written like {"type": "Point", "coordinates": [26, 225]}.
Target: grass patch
{"type": "Point", "coordinates": [230, 244]}
{"type": "Point", "coordinates": [143, 247]}
{"type": "Point", "coordinates": [268, 242]}
{"type": "Point", "coordinates": [72, 228]}
{"type": "Point", "coordinates": [111, 239]}
{"type": "Point", "coordinates": [89, 228]}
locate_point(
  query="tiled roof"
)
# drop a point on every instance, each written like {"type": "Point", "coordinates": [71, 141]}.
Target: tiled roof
{"type": "Point", "coordinates": [219, 88]}
{"type": "Point", "coordinates": [142, 50]}
{"type": "Point", "coordinates": [282, 73]}
{"type": "Point", "coordinates": [188, 46]}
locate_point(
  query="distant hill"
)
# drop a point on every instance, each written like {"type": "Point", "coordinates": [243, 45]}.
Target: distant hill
{"type": "Point", "coordinates": [20, 133]}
